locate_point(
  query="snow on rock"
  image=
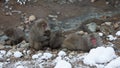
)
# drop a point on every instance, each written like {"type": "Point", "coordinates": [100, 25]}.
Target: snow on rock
{"type": "Point", "coordinates": [46, 56]}
{"type": "Point", "coordinates": [9, 53]}
{"type": "Point", "coordinates": [18, 63]}
{"type": "Point", "coordinates": [35, 56]}
{"type": "Point", "coordinates": [20, 66]}
{"type": "Point", "coordinates": [100, 34]}
{"type": "Point", "coordinates": [2, 53]}
{"type": "Point", "coordinates": [114, 63]}
{"type": "Point", "coordinates": [1, 56]}
{"type": "Point", "coordinates": [1, 65]}
{"type": "Point", "coordinates": [58, 59]}
{"type": "Point", "coordinates": [63, 63]}
{"type": "Point", "coordinates": [18, 54]}
{"type": "Point", "coordinates": [111, 37]}
{"type": "Point", "coordinates": [99, 55]}
{"type": "Point", "coordinates": [61, 53]}
{"type": "Point", "coordinates": [118, 33]}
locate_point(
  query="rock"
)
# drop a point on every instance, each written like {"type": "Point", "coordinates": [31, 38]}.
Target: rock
{"type": "Point", "coordinates": [106, 29]}
{"type": "Point", "coordinates": [108, 23]}
{"type": "Point", "coordinates": [93, 1]}
{"type": "Point", "coordinates": [21, 27]}
{"type": "Point", "coordinates": [8, 42]}
{"type": "Point", "coordinates": [92, 26]}
{"type": "Point", "coordinates": [1, 32]}
{"type": "Point", "coordinates": [23, 44]}
{"type": "Point", "coordinates": [53, 16]}
{"type": "Point", "coordinates": [8, 13]}
{"type": "Point", "coordinates": [9, 53]}
{"type": "Point", "coordinates": [116, 25]}
{"type": "Point", "coordinates": [80, 32]}
{"type": "Point", "coordinates": [18, 54]}
{"type": "Point", "coordinates": [2, 46]}
{"type": "Point", "coordinates": [32, 18]}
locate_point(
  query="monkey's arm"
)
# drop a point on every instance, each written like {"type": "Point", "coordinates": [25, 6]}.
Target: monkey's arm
{"type": "Point", "coordinates": [40, 38]}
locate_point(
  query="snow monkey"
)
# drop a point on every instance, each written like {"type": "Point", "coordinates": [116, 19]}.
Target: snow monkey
{"type": "Point", "coordinates": [82, 42]}
{"type": "Point", "coordinates": [39, 34]}
{"type": "Point", "coordinates": [56, 39]}
{"type": "Point", "coordinates": [15, 35]}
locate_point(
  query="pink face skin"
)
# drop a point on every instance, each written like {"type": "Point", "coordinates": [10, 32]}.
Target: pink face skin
{"type": "Point", "coordinates": [44, 26]}
{"type": "Point", "coordinates": [94, 41]}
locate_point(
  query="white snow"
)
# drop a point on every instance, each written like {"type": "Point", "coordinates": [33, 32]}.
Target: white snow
{"type": "Point", "coordinates": [2, 53]}
{"type": "Point", "coordinates": [1, 56]}
{"type": "Point", "coordinates": [20, 66]}
{"type": "Point", "coordinates": [99, 55]}
{"type": "Point", "coordinates": [61, 53]}
{"type": "Point", "coordinates": [18, 54]}
{"type": "Point", "coordinates": [118, 33]}
{"type": "Point", "coordinates": [63, 64]}
{"type": "Point", "coordinates": [100, 34]}
{"type": "Point", "coordinates": [114, 63]}
{"type": "Point", "coordinates": [1, 65]}
{"type": "Point", "coordinates": [9, 54]}
{"type": "Point", "coordinates": [46, 56]}
{"type": "Point", "coordinates": [111, 37]}
{"type": "Point", "coordinates": [35, 56]}
{"type": "Point", "coordinates": [58, 58]}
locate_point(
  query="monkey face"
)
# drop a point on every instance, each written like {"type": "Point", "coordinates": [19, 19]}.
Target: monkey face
{"type": "Point", "coordinates": [42, 24]}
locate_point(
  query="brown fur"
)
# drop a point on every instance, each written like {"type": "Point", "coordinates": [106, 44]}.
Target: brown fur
{"type": "Point", "coordinates": [39, 34]}
{"type": "Point", "coordinates": [15, 35]}
{"type": "Point", "coordinates": [56, 39]}
{"type": "Point", "coordinates": [79, 42]}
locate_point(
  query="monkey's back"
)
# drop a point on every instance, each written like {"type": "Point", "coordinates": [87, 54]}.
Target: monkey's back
{"type": "Point", "coordinates": [75, 42]}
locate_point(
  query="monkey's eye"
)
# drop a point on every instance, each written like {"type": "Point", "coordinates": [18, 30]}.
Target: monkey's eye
{"type": "Point", "coordinates": [44, 25]}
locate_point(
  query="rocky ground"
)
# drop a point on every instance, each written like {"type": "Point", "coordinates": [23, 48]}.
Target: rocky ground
{"type": "Point", "coordinates": [64, 14]}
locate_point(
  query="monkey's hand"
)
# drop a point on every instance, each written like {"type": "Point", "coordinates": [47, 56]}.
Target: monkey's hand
{"type": "Point", "coordinates": [43, 38]}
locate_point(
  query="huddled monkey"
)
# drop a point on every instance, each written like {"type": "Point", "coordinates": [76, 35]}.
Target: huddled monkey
{"type": "Point", "coordinates": [39, 34]}
{"type": "Point", "coordinates": [56, 39]}
{"type": "Point", "coordinates": [15, 35]}
{"type": "Point", "coordinates": [82, 42]}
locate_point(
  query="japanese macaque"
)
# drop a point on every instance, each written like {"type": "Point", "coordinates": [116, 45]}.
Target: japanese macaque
{"type": "Point", "coordinates": [15, 35]}
{"type": "Point", "coordinates": [56, 39]}
{"type": "Point", "coordinates": [39, 34]}
{"type": "Point", "coordinates": [82, 42]}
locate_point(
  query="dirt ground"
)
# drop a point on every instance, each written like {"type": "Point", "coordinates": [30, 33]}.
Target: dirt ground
{"type": "Point", "coordinates": [42, 9]}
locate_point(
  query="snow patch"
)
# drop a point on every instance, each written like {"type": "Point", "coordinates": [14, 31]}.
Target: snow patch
{"type": "Point", "coordinates": [111, 37]}
{"type": "Point", "coordinates": [63, 63]}
{"type": "Point", "coordinates": [18, 54]}
{"type": "Point", "coordinates": [114, 63]}
{"type": "Point", "coordinates": [61, 53]}
{"type": "Point", "coordinates": [118, 33]}
{"type": "Point", "coordinates": [99, 55]}
{"type": "Point", "coordinates": [100, 34]}
{"type": "Point", "coordinates": [2, 53]}
{"type": "Point", "coordinates": [35, 56]}
{"type": "Point", "coordinates": [46, 56]}
{"type": "Point", "coordinates": [9, 54]}
{"type": "Point", "coordinates": [1, 65]}
{"type": "Point", "coordinates": [20, 66]}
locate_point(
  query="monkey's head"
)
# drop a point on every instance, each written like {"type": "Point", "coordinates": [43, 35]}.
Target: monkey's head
{"type": "Point", "coordinates": [41, 23]}
{"type": "Point", "coordinates": [9, 32]}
